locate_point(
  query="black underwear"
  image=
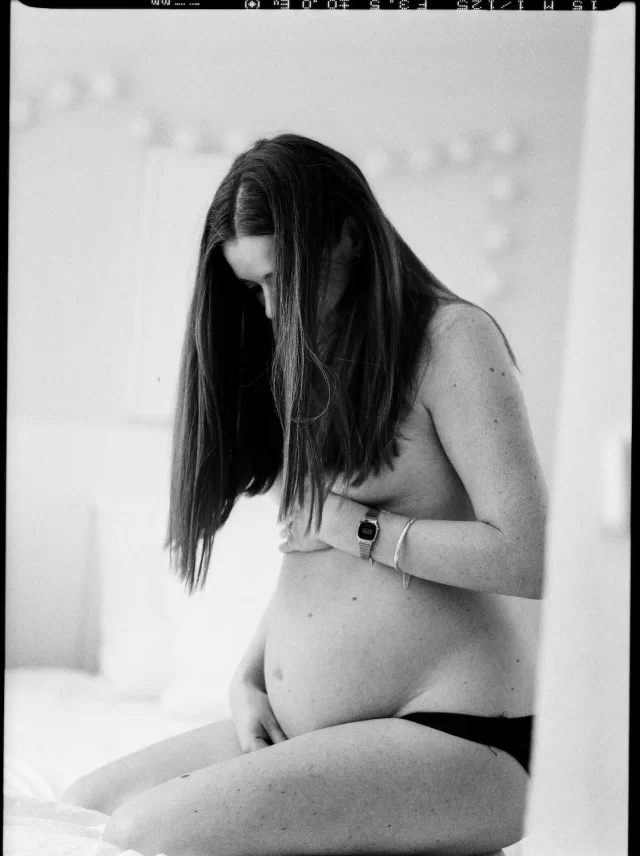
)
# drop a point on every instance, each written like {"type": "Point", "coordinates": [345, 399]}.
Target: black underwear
{"type": "Point", "coordinates": [513, 734]}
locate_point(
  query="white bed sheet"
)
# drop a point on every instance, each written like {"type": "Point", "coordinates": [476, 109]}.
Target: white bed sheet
{"type": "Point", "coordinates": [61, 724]}
{"type": "Point", "coordinates": [37, 827]}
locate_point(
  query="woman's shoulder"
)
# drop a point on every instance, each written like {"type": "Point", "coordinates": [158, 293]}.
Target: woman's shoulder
{"type": "Point", "coordinates": [452, 316]}
{"type": "Point", "coordinates": [460, 324]}
{"type": "Point", "coordinates": [459, 332]}
{"type": "Point", "coordinates": [446, 321]}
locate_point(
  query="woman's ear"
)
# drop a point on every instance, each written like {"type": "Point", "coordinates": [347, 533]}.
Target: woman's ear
{"type": "Point", "coordinates": [350, 238]}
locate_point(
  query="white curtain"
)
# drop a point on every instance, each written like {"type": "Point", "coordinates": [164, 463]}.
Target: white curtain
{"type": "Point", "coordinates": [578, 800]}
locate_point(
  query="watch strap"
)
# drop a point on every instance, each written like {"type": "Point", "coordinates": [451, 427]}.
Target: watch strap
{"type": "Point", "coordinates": [366, 544]}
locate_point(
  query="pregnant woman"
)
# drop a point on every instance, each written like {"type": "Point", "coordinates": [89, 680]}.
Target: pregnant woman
{"type": "Point", "coordinates": [385, 702]}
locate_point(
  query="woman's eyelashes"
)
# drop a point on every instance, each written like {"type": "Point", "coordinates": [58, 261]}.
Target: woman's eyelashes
{"type": "Point", "coordinates": [253, 286]}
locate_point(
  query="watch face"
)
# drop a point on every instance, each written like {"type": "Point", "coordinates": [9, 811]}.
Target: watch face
{"type": "Point", "coordinates": [367, 531]}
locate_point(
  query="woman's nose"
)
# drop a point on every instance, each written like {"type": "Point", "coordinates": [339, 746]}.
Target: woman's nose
{"type": "Point", "coordinates": [268, 303]}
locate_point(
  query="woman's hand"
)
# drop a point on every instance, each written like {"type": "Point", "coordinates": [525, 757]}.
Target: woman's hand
{"type": "Point", "coordinates": [294, 529]}
{"type": "Point", "coordinates": [302, 545]}
{"type": "Point", "coordinates": [253, 717]}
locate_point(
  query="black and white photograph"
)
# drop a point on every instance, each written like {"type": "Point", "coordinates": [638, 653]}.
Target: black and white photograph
{"type": "Point", "coordinates": [318, 459]}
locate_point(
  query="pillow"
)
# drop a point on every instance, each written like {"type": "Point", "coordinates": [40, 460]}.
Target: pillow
{"type": "Point", "coordinates": [155, 639]}
{"type": "Point", "coordinates": [135, 631]}
{"type": "Point", "coordinates": [211, 629]}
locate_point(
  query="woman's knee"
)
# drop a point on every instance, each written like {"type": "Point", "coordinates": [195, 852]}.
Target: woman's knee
{"type": "Point", "coordinates": [87, 792]}
{"type": "Point", "coordinates": [135, 826]}
{"type": "Point", "coordinates": [123, 829]}
{"type": "Point", "coordinates": [94, 792]}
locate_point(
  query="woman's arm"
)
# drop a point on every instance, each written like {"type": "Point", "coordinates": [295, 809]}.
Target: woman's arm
{"type": "Point", "coordinates": [471, 393]}
{"type": "Point", "coordinates": [255, 721]}
{"type": "Point", "coordinates": [471, 555]}
{"type": "Point", "coordinates": [250, 670]}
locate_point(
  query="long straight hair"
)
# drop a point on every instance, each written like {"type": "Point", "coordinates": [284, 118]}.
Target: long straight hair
{"type": "Point", "coordinates": [257, 399]}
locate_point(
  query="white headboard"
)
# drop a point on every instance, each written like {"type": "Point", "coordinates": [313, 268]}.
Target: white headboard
{"type": "Point", "coordinates": [178, 190]}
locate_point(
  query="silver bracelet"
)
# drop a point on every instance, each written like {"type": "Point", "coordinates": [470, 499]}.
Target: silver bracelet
{"type": "Point", "coordinates": [406, 578]}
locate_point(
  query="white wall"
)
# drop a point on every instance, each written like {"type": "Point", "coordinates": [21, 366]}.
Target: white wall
{"type": "Point", "coordinates": [579, 800]}
{"type": "Point", "coordinates": [354, 81]}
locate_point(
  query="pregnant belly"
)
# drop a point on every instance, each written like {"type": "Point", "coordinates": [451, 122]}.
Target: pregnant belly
{"type": "Point", "coordinates": [346, 642]}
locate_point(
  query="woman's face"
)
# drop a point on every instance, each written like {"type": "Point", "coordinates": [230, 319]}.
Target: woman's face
{"type": "Point", "coordinates": [251, 260]}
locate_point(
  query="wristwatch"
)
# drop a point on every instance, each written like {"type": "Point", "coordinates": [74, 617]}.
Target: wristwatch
{"type": "Point", "coordinates": [368, 532]}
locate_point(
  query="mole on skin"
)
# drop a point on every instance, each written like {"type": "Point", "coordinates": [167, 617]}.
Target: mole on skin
{"type": "Point", "coordinates": [278, 674]}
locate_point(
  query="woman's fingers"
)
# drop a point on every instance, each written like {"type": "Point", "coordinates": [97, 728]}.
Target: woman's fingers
{"type": "Point", "coordinates": [276, 733]}
{"type": "Point", "coordinates": [254, 740]}
{"type": "Point", "coordinates": [286, 531]}
{"type": "Point", "coordinates": [272, 726]}
{"type": "Point", "coordinates": [270, 733]}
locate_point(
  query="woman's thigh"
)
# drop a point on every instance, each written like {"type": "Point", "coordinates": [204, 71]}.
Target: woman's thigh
{"type": "Point", "coordinates": [377, 786]}
{"type": "Point", "coordinates": [108, 787]}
